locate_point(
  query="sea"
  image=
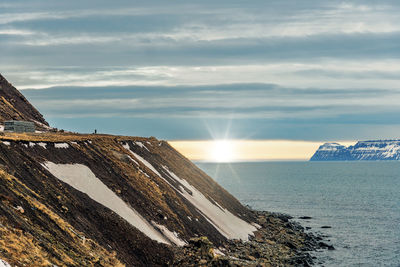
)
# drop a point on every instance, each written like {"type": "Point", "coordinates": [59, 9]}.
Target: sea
{"type": "Point", "coordinates": [359, 200]}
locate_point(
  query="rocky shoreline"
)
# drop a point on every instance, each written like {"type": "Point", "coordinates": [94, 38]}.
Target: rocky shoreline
{"type": "Point", "coordinates": [278, 242]}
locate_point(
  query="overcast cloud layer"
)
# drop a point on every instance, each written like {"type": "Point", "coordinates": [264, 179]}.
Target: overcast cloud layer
{"type": "Point", "coordinates": [313, 70]}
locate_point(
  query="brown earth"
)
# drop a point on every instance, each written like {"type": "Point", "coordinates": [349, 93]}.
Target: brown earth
{"type": "Point", "coordinates": [14, 106]}
{"type": "Point", "coordinates": [45, 222]}
{"type": "Point", "coordinates": [151, 196]}
{"type": "Point", "coordinates": [54, 219]}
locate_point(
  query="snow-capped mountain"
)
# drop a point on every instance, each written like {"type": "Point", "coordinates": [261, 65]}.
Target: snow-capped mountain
{"type": "Point", "coordinates": [363, 150]}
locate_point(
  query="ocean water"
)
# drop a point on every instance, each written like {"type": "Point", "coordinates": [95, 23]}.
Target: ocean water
{"type": "Point", "coordinates": [359, 200]}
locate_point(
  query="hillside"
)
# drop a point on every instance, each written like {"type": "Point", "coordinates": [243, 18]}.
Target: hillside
{"type": "Point", "coordinates": [14, 106]}
{"type": "Point", "coordinates": [71, 199]}
{"type": "Point", "coordinates": [117, 200]}
{"type": "Point", "coordinates": [363, 150]}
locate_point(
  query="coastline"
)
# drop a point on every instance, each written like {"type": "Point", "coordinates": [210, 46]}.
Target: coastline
{"type": "Point", "coordinates": [279, 241]}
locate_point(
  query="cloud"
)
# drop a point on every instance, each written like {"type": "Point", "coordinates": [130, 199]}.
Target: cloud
{"type": "Point", "coordinates": [327, 74]}
{"type": "Point", "coordinates": [265, 101]}
{"type": "Point", "coordinates": [205, 21]}
{"type": "Point", "coordinates": [15, 32]}
{"type": "Point", "coordinates": [275, 68]}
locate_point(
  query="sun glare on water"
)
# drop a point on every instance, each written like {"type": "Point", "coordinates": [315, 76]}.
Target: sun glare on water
{"type": "Point", "coordinates": [222, 151]}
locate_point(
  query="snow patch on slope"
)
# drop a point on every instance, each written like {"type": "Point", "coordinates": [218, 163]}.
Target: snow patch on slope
{"type": "Point", "coordinates": [331, 147]}
{"type": "Point", "coordinates": [3, 263]}
{"type": "Point", "coordinates": [42, 145]}
{"type": "Point", "coordinates": [145, 162]}
{"type": "Point", "coordinates": [224, 221]}
{"type": "Point", "coordinates": [172, 236]}
{"type": "Point", "coordinates": [141, 145]}
{"type": "Point", "coordinates": [148, 165]}
{"type": "Point", "coordinates": [131, 159]}
{"type": "Point", "coordinates": [61, 145]}
{"type": "Point", "coordinates": [32, 144]}
{"type": "Point", "coordinates": [83, 179]}
{"type": "Point", "coordinates": [391, 151]}
{"type": "Point", "coordinates": [384, 149]}
{"type": "Point", "coordinates": [229, 225]}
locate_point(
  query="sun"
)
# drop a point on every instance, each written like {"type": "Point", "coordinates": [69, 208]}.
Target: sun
{"type": "Point", "coordinates": [222, 151]}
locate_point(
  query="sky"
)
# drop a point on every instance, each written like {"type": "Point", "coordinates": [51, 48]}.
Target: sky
{"type": "Point", "coordinates": [248, 150]}
{"type": "Point", "coordinates": [291, 70]}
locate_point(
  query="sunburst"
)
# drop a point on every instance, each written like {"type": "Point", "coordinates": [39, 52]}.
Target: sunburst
{"type": "Point", "coordinates": [222, 151]}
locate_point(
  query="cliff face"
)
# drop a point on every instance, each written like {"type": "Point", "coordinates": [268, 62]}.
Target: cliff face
{"type": "Point", "coordinates": [331, 152]}
{"type": "Point", "coordinates": [127, 197]}
{"type": "Point", "coordinates": [14, 106]}
{"type": "Point", "coordinates": [363, 150]}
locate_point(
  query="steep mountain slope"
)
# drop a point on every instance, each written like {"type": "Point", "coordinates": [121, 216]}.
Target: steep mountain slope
{"type": "Point", "coordinates": [99, 200]}
{"type": "Point", "coordinates": [173, 199]}
{"type": "Point", "coordinates": [363, 150]}
{"type": "Point", "coordinates": [14, 106]}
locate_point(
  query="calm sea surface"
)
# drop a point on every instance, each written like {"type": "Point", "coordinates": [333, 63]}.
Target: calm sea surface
{"type": "Point", "coordinates": [359, 200]}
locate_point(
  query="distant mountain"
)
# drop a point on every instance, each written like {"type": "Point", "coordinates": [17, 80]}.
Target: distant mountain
{"type": "Point", "coordinates": [363, 150]}
{"type": "Point", "coordinates": [14, 106]}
